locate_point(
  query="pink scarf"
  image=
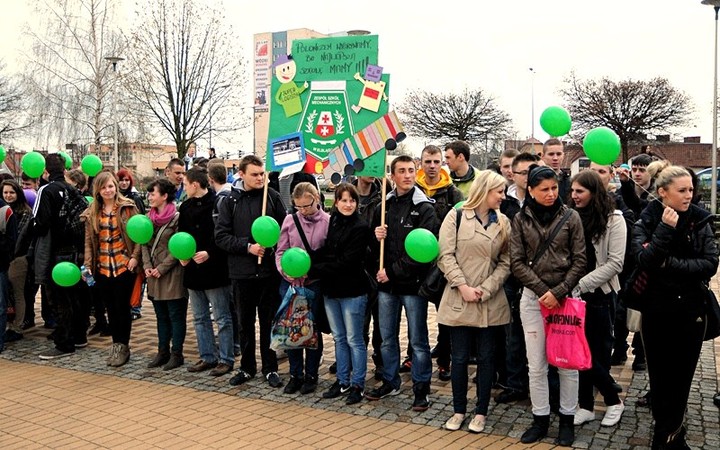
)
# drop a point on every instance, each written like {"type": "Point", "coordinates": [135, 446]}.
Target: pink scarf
{"type": "Point", "coordinates": [160, 219]}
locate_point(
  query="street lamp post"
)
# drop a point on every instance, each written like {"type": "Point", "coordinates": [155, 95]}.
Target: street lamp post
{"type": "Point", "coordinates": [114, 60]}
{"type": "Point", "coordinates": [532, 109]}
{"type": "Point", "coordinates": [713, 186]}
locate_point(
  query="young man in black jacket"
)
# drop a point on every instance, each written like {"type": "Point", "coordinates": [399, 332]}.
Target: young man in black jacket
{"type": "Point", "coordinates": [406, 209]}
{"type": "Point", "coordinates": [255, 282]}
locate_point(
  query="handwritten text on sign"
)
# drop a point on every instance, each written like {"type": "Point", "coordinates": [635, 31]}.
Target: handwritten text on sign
{"type": "Point", "coordinates": [336, 58]}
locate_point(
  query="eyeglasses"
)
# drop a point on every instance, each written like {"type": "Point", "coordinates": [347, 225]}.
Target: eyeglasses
{"type": "Point", "coordinates": [522, 172]}
{"type": "Point", "coordinates": [303, 207]}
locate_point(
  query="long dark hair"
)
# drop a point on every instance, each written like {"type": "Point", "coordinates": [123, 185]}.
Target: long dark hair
{"type": "Point", "coordinates": [20, 205]}
{"type": "Point", "coordinates": [598, 210]}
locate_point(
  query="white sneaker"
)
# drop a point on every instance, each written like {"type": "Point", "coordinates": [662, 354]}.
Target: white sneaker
{"type": "Point", "coordinates": [583, 415]}
{"type": "Point", "coordinates": [454, 422]}
{"type": "Point", "coordinates": [613, 414]}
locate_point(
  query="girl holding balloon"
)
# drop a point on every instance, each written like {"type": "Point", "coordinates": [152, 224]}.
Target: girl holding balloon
{"type": "Point", "coordinates": [475, 258]}
{"type": "Point", "coordinates": [111, 257]}
{"type": "Point", "coordinates": [164, 276]}
{"type": "Point", "coordinates": [309, 224]}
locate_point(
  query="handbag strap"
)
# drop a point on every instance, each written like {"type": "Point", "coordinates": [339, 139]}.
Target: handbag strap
{"type": "Point", "coordinates": [157, 238]}
{"type": "Point", "coordinates": [550, 238]}
{"type": "Point", "coordinates": [301, 232]}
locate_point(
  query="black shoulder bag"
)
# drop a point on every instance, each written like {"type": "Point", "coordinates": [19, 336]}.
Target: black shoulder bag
{"type": "Point", "coordinates": [432, 288]}
{"type": "Point", "coordinates": [545, 245]}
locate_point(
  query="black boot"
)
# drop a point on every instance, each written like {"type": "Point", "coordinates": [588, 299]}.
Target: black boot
{"type": "Point", "coordinates": [537, 430]}
{"type": "Point", "coordinates": [161, 358]}
{"type": "Point", "coordinates": [566, 434]}
{"type": "Point", "coordinates": [176, 360]}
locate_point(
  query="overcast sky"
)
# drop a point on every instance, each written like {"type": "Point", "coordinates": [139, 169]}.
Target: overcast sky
{"type": "Point", "coordinates": [447, 46]}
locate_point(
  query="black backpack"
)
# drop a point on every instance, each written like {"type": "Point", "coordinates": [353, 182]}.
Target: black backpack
{"type": "Point", "coordinates": [69, 215]}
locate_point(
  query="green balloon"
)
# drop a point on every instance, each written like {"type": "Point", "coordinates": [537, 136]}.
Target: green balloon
{"type": "Point", "coordinates": [266, 231]}
{"type": "Point", "coordinates": [421, 245]}
{"type": "Point", "coordinates": [556, 121]}
{"type": "Point", "coordinates": [140, 229]}
{"type": "Point", "coordinates": [89, 199]}
{"type": "Point", "coordinates": [182, 246]}
{"type": "Point", "coordinates": [295, 262]}
{"type": "Point", "coordinates": [459, 204]}
{"type": "Point", "coordinates": [602, 145]}
{"type": "Point", "coordinates": [3, 154]}
{"type": "Point", "coordinates": [33, 164]}
{"type": "Point", "coordinates": [91, 165]}
{"type": "Point", "coordinates": [66, 274]}
{"type": "Point", "coordinates": [68, 160]}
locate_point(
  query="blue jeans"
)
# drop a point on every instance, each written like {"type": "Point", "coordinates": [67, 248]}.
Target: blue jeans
{"type": "Point", "coordinates": [300, 368]}
{"type": "Point", "coordinates": [171, 323]}
{"type": "Point", "coordinates": [460, 342]}
{"type": "Point", "coordinates": [4, 296]}
{"type": "Point", "coordinates": [346, 317]}
{"type": "Point", "coordinates": [221, 300]}
{"type": "Point", "coordinates": [389, 306]}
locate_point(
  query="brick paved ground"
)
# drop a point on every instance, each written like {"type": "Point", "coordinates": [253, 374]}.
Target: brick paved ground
{"type": "Point", "coordinates": [80, 402]}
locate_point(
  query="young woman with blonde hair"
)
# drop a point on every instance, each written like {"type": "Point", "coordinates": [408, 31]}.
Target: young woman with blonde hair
{"type": "Point", "coordinates": [112, 258]}
{"type": "Point", "coordinates": [475, 258]}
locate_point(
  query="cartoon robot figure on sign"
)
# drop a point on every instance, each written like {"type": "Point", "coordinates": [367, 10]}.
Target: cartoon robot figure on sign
{"type": "Point", "coordinates": [372, 95]}
{"type": "Point", "coordinates": [288, 94]}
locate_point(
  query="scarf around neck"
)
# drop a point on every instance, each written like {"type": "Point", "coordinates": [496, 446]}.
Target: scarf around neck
{"type": "Point", "coordinates": [160, 219]}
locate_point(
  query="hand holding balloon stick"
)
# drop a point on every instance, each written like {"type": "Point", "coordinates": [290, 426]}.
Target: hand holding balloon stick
{"type": "Point", "coordinates": [266, 232]}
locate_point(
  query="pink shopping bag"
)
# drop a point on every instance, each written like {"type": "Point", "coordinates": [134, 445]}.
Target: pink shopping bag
{"type": "Point", "coordinates": [565, 341]}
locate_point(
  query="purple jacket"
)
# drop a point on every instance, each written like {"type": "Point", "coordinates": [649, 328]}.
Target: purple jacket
{"type": "Point", "coordinates": [315, 228]}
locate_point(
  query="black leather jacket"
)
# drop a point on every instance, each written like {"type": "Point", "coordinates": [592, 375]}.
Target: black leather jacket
{"type": "Point", "coordinates": [677, 260]}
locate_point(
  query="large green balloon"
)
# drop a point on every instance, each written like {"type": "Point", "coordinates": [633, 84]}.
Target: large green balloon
{"type": "Point", "coordinates": [91, 165]}
{"type": "Point", "coordinates": [182, 246]}
{"type": "Point", "coordinates": [602, 146]}
{"type": "Point", "coordinates": [266, 231]}
{"type": "Point", "coordinates": [3, 154]}
{"type": "Point", "coordinates": [140, 229]}
{"type": "Point", "coordinates": [555, 120]}
{"type": "Point", "coordinates": [33, 164]}
{"type": "Point", "coordinates": [295, 262]}
{"type": "Point", "coordinates": [68, 160]}
{"type": "Point", "coordinates": [66, 274]}
{"type": "Point", "coordinates": [421, 245]}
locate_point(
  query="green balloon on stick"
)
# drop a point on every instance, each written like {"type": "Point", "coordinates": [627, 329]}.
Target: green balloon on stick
{"type": "Point", "coordinates": [66, 274]}
{"type": "Point", "coordinates": [3, 154]}
{"type": "Point", "coordinates": [33, 164]}
{"type": "Point", "coordinates": [91, 165]}
{"type": "Point", "coordinates": [555, 120]}
{"type": "Point", "coordinates": [421, 245]}
{"type": "Point", "coordinates": [182, 246]}
{"type": "Point", "coordinates": [602, 145]}
{"type": "Point", "coordinates": [140, 229]}
{"type": "Point", "coordinates": [266, 231]}
{"type": "Point", "coordinates": [295, 262]}
{"type": "Point", "coordinates": [68, 160]}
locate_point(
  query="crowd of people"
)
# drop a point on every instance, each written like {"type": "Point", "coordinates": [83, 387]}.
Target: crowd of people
{"type": "Point", "coordinates": [512, 241]}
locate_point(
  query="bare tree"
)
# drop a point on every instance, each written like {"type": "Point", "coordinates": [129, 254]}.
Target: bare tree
{"type": "Point", "coordinates": [12, 106]}
{"type": "Point", "coordinates": [69, 78]}
{"type": "Point", "coordinates": [631, 108]}
{"type": "Point", "coordinates": [185, 70]}
{"type": "Point", "coordinates": [472, 116]}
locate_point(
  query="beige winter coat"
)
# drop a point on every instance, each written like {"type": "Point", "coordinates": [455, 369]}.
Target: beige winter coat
{"type": "Point", "coordinates": [481, 258]}
{"type": "Point", "coordinates": [170, 284]}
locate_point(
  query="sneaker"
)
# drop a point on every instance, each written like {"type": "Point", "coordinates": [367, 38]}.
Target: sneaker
{"type": "Point", "coordinates": [240, 377]}
{"type": "Point", "coordinates": [355, 396]}
{"type": "Point", "coordinates": [336, 390]}
{"type": "Point", "coordinates": [582, 416]}
{"type": "Point", "coordinates": [406, 365]}
{"type": "Point", "coordinates": [616, 386]}
{"type": "Point", "coordinates": [309, 385]}
{"type": "Point", "coordinates": [477, 425]}
{"type": "Point", "coordinates": [136, 316]}
{"type": "Point", "coordinates": [385, 389]}
{"type": "Point", "coordinates": [293, 385]}
{"type": "Point", "coordinates": [81, 344]}
{"type": "Point", "coordinates": [421, 402]}
{"type": "Point", "coordinates": [444, 373]}
{"type": "Point", "coordinates": [274, 379]}
{"type": "Point", "coordinates": [455, 422]}
{"type": "Point", "coordinates": [54, 353]}
{"type": "Point", "coordinates": [201, 366]}
{"type": "Point", "coordinates": [613, 414]}
{"type": "Point", "coordinates": [12, 336]}
{"type": "Point", "coordinates": [220, 370]}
